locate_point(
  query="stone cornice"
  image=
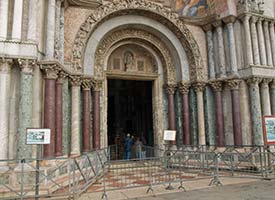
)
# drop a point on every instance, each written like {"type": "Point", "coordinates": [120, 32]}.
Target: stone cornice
{"type": "Point", "coordinates": [85, 3]}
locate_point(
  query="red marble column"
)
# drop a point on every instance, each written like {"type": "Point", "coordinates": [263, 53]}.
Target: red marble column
{"type": "Point", "coordinates": [96, 115]}
{"type": "Point", "coordinates": [59, 117]}
{"type": "Point", "coordinates": [236, 114]}
{"type": "Point", "coordinates": [171, 108]}
{"type": "Point", "coordinates": [184, 90]}
{"type": "Point", "coordinates": [49, 110]}
{"type": "Point", "coordinates": [86, 126]}
{"type": "Point", "coordinates": [220, 137]}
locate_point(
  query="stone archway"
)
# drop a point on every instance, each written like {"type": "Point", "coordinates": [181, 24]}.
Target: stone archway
{"type": "Point", "coordinates": [149, 9]}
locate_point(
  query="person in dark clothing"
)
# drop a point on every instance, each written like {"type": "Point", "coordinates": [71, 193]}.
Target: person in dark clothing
{"type": "Point", "coordinates": [129, 141]}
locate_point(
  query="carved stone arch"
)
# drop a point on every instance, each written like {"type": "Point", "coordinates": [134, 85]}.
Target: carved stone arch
{"type": "Point", "coordinates": [147, 8]}
{"type": "Point", "coordinates": [124, 34]}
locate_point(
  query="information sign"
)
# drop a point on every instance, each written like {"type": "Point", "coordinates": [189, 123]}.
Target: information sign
{"type": "Point", "coordinates": [38, 136]}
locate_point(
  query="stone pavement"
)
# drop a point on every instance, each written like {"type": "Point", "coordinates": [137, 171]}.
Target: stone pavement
{"type": "Point", "coordinates": [160, 193]}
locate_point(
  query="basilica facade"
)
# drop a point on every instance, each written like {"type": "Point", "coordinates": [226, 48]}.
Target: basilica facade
{"type": "Point", "coordinates": [92, 71]}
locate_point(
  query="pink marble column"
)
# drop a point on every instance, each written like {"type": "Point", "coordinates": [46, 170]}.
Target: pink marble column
{"type": "Point", "coordinates": [220, 137]}
{"type": "Point", "coordinates": [86, 126]}
{"type": "Point", "coordinates": [96, 114]}
{"type": "Point", "coordinates": [236, 113]}
{"type": "Point", "coordinates": [171, 108]}
{"type": "Point", "coordinates": [59, 115]}
{"type": "Point", "coordinates": [49, 107]}
{"type": "Point", "coordinates": [184, 90]}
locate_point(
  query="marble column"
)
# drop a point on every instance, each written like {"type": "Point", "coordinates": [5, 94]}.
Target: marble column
{"type": "Point", "coordinates": [4, 8]}
{"type": "Point", "coordinates": [232, 45]}
{"type": "Point", "coordinates": [267, 44]}
{"type": "Point", "coordinates": [220, 137]}
{"type": "Point", "coordinates": [199, 88]}
{"type": "Point", "coordinates": [51, 72]}
{"type": "Point", "coordinates": [184, 90]}
{"type": "Point", "coordinates": [210, 51]}
{"type": "Point", "coordinates": [50, 29]}
{"type": "Point", "coordinates": [247, 44]}
{"type": "Point", "coordinates": [236, 111]}
{"type": "Point", "coordinates": [265, 97]}
{"type": "Point", "coordinates": [32, 21]}
{"type": "Point", "coordinates": [57, 30]}
{"type": "Point", "coordinates": [170, 89]}
{"type": "Point", "coordinates": [5, 76]}
{"type": "Point", "coordinates": [272, 94]}
{"type": "Point", "coordinates": [86, 130]}
{"type": "Point", "coordinates": [256, 111]}
{"type": "Point", "coordinates": [25, 107]}
{"type": "Point", "coordinates": [75, 117]}
{"type": "Point", "coordinates": [221, 54]}
{"type": "Point", "coordinates": [59, 114]}
{"type": "Point", "coordinates": [17, 19]}
{"type": "Point", "coordinates": [62, 36]}
{"type": "Point", "coordinates": [97, 86]}
{"type": "Point", "coordinates": [255, 41]}
{"type": "Point", "coordinates": [261, 41]}
{"type": "Point", "coordinates": [272, 39]}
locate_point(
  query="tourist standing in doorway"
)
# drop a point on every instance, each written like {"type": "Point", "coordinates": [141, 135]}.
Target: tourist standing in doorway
{"type": "Point", "coordinates": [129, 141]}
{"type": "Point", "coordinates": [138, 145]}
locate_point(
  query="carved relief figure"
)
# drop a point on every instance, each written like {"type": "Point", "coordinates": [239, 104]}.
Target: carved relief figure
{"type": "Point", "coordinates": [128, 60]}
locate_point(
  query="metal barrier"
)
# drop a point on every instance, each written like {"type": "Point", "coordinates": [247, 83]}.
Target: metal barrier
{"type": "Point", "coordinates": [44, 178]}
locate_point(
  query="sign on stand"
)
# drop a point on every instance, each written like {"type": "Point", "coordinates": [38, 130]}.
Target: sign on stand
{"type": "Point", "coordinates": [38, 136]}
{"type": "Point", "coordinates": [269, 129]}
{"type": "Point", "coordinates": [169, 135]}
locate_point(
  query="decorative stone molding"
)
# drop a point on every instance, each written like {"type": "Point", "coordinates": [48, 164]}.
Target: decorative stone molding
{"type": "Point", "coordinates": [233, 84]}
{"type": "Point", "coordinates": [87, 83]}
{"type": "Point", "coordinates": [170, 88]}
{"type": "Point", "coordinates": [254, 6]}
{"type": "Point", "coordinates": [26, 65]}
{"type": "Point", "coordinates": [5, 65]}
{"type": "Point", "coordinates": [254, 81]}
{"type": "Point", "coordinates": [216, 85]}
{"type": "Point", "coordinates": [51, 71]}
{"type": "Point", "coordinates": [61, 76]}
{"type": "Point", "coordinates": [97, 84]}
{"type": "Point", "coordinates": [75, 80]}
{"type": "Point", "coordinates": [156, 11]}
{"type": "Point", "coordinates": [123, 34]}
{"type": "Point", "coordinates": [184, 87]}
{"type": "Point", "coordinates": [199, 86]}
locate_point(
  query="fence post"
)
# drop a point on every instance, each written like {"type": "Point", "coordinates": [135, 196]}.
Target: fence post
{"type": "Point", "coordinates": [168, 166]}
{"type": "Point", "coordinates": [104, 195]}
{"type": "Point", "coordinates": [216, 181]}
{"type": "Point", "coordinates": [181, 179]}
{"type": "Point", "coordinates": [22, 179]}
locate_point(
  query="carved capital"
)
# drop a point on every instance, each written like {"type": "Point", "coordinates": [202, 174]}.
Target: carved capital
{"type": "Point", "coordinates": [184, 87]}
{"type": "Point", "coordinates": [207, 27]}
{"type": "Point", "coordinates": [61, 76]}
{"type": "Point", "coordinates": [233, 84]}
{"type": "Point", "coordinates": [217, 23]}
{"type": "Point", "coordinates": [87, 83]}
{"type": "Point", "coordinates": [266, 23]}
{"type": "Point", "coordinates": [245, 18]}
{"type": "Point", "coordinates": [199, 86]}
{"type": "Point", "coordinates": [272, 85]}
{"type": "Point", "coordinates": [265, 82]}
{"type": "Point", "coordinates": [97, 84]}
{"type": "Point", "coordinates": [229, 19]}
{"type": "Point", "coordinates": [254, 19]}
{"type": "Point", "coordinates": [26, 65]}
{"type": "Point", "coordinates": [253, 81]}
{"type": "Point", "coordinates": [5, 65]}
{"type": "Point", "coordinates": [216, 85]}
{"type": "Point", "coordinates": [75, 80]}
{"type": "Point", "coordinates": [50, 70]}
{"type": "Point", "coordinates": [170, 88]}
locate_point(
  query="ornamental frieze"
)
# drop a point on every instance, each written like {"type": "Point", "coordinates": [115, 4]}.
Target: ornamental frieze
{"type": "Point", "coordinates": [171, 19]}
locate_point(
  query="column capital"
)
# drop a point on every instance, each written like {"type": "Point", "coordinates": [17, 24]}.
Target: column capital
{"type": "Point", "coordinates": [233, 84]}
{"type": "Point", "coordinates": [170, 88]}
{"type": "Point", "coordinates": [184, 87]}
{"type": "Point", "coordinates": [87, 83]}
{"type": "Point", "coordinates": [253, 81]}
{"type": "Point", "coordinates": [229, 19]}
{"type": "Point", "coordinates": [266, 81]}
{"type": "Point", "coordinates": [61, 76]}
{"type": "Point", "coordinates": [51, 71]}
{"type": "Point", "coordinates": [26, 65]}
{"type": "Point", "coordinates": [266, 23]}
{"type": "Point", "coordinates": [75, 80]}
{"type": "Point", "coordinates": [245, 17]}
{"type": "Point", "coordinates": [272, 85]}
{"type": "Point", "coordinates": [271, 24]}
{"type": "Point", "coordinates": [254, 19]}
{"type": "Point", "coordinates": [216, 85]}
{"type": "Point", "coordinates": [5, 65]}
{"type": "Point", "coordinates": [217, 23]}
{"type": "Point", "coordinates": [97, 84]}
{"type": "Point", "coordinates": [199, 86]}
{"type": "Point", "coordinates": [207, 27]}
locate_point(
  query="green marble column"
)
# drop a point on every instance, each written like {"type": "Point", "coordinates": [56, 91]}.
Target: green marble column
{"type": "Point", "coordinates": [256, 112]}
{"type": "Point", "coordinates": [25, 107]}
{"type": "Point", "coordinates": [193, 117]}
{"type": "Point", "coordinates": [272, 95]}
{"type": "Point", "coordinates": [66, 117]}
{"type": "Point", "coordinates": [209, 110]}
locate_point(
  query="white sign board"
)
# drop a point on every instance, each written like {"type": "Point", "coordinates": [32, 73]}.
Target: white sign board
{"type": "Point", "coordinates": [38, 136]}
{"type": "Point", "coordinates": [169, 135]}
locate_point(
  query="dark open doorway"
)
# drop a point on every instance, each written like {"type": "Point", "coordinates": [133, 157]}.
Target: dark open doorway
{"type": "Point", "coordinates": [130, 111]}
